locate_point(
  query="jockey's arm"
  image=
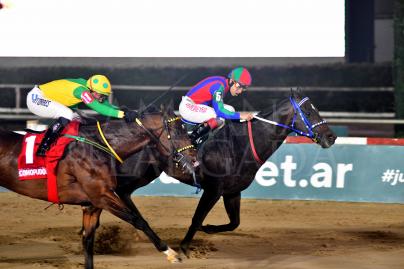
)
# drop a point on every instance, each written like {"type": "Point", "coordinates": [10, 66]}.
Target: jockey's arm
{"type": "Point", "coordinates": [218, 106]}
{"type": "Point", "coordinates": [104, 108]}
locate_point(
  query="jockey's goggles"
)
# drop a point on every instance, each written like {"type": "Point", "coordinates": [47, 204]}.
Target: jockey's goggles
{"type": "Point", "coordinates": [241, 86]}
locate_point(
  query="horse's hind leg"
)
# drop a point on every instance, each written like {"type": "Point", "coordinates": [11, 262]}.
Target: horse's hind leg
{"type": "Point", "coordinates": [91, 216]}
{"type": "Point", "coordinates": [232, 205]}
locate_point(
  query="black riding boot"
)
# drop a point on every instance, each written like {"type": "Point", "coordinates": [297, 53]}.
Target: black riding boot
{"type": "Point", "coordinates": [198, 133]}
{"type": "Point", "coordinates": [51, 135]}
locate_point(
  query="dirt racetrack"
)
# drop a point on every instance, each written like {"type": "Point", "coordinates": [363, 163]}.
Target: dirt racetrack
{"type": "Point", "coordinates": [272, 234]}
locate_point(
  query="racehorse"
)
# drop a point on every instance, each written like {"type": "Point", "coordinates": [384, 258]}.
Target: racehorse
{"type": "Point", "coordinates": [228, 161]}
{"type": "Point", "coordinates": [86, 175]}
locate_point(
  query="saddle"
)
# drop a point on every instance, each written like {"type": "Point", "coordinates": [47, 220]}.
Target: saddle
{"type": "Point", "coordinates": [32, 167]}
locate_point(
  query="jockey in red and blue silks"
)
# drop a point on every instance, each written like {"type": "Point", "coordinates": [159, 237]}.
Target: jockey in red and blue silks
{"type": "Point", "coordinates": [203, 104]}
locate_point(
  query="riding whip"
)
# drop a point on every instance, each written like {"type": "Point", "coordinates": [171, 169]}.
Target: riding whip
{"type": "Point", "coordinates": [164, 93]}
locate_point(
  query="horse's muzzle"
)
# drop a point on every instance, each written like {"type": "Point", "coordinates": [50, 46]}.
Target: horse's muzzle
{"type": "Point", "coordinates": [327, 140]}
{"type": "Point", "coordinates": [187, 165]}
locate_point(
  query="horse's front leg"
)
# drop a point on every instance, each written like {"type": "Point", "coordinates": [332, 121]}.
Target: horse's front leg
{"type": "Point", "coordinates": [211, 194]}
{"type": "Point", "coordinates": [91, 216]}
{"type": "Point", "coordinates": [232, 205]}
{"type": "Point", "coordinates": [132, 215]}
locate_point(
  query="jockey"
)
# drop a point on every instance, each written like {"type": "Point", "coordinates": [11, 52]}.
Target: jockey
{"type": "Point", "coordinates": [56, 99]}
{"type": "Point", "coordinates": [203, 104]}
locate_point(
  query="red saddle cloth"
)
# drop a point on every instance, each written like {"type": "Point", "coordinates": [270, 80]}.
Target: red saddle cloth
{"type": "Point", "coordinates": [31, 166]}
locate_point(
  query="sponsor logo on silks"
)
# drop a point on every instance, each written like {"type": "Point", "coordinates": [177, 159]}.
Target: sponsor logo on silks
{"type": "Point", "coordinates": [32, 172]}
{"type": "Point", "coordinates": [392, 176]}
{"type": "Point", "coordinates": [196, 108]}
{"type": "Point", "coordinates": [39, 101]}
{"type": "Point", "coordinates": [34, 97]}
{"type": "Point", "coordinates": [87, 97]}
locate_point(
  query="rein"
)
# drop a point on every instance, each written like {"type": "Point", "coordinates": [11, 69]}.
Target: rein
{"type": "Point", "coordinates": [250, 135]}
{"type": "Point", "coordinates": [297, 110]}
{"type": "Point", "coordinates": [106, 143]}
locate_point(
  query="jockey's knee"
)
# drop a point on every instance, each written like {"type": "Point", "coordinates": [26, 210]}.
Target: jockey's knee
{"type": "Point", "coordinates": [215, 123]}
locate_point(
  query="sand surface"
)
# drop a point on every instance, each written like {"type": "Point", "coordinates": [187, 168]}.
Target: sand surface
{"type": "Point", "coordinates": [272, 234]}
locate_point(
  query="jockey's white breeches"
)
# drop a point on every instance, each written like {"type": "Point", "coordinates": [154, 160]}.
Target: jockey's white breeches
{"type": "Point", "coordinates": [198, 113]}
{"type": "Point", "coordinates": [43, 107]}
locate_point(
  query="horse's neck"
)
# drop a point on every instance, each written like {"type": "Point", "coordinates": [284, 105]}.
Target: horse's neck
{"type": "Point", "coordinates": [267, 138]}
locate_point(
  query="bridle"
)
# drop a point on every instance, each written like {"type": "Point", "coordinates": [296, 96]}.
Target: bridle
{"type": "Point", "coordinates": [297, 112]}
{"type": "Point", "coordinates": [177, 154]}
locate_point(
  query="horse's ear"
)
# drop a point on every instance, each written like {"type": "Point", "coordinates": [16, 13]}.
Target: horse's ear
{"type": "Point", "coordinates": [300, 92]}
{"type": "Point", "coordinates": [292, 92]}
{"type": "Point", "coordinates": [162, 108]}
{"type": "Point", "coordinates": [170, 107]}
{"type": "Point", "coordinates": [142, 106]}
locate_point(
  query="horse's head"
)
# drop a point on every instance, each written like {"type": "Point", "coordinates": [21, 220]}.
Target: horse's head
{"type": "Point", "coordinates": [171, 139]}
{"type": "Point", "coordinates": [307, 120]}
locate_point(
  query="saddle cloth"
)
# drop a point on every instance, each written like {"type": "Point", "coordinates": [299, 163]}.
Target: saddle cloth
{"type": "Point", "coordinates": [31, 166]}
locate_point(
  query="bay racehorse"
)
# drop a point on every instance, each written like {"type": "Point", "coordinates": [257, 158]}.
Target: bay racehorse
{"type": "Point", "coordinates": [230, 159]}
{"type": "Point", "coordinates": [86, 175]}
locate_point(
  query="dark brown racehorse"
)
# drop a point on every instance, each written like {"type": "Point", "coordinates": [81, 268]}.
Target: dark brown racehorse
{"type": "Point", "coordinates": [228, 163]}
{"type": "Point", "coordinates": [86, 175]}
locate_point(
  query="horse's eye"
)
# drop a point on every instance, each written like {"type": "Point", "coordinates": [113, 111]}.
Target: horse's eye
{"type": "Point", "coordinates": [308, 113]}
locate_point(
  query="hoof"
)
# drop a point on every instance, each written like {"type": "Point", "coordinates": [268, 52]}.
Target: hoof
{"type": "Point", "coordinates": [172, 256]}
{"type": "Point", "coordinates": [185, 251]}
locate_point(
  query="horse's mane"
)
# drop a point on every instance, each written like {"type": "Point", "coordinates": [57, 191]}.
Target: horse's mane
{"type": "Point", "coordinates": [268, 111]}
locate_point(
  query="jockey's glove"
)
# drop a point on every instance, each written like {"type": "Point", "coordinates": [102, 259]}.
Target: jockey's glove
{"type": "Point", "coordinates": [130, 116]}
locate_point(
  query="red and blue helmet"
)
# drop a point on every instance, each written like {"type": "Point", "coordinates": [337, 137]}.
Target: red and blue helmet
{"type": "Point", "coordinates": [241, 75]}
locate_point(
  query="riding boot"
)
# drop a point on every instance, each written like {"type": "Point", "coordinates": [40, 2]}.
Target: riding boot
{"type": "Point", "coordinates": [199, 131]}
{"type": "Point", "coordinates": [51, 135]}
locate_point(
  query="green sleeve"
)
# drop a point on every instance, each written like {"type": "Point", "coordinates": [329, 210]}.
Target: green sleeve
{"type": "Point", "coordinates": [104, 108]}
{"type": "Point", "coordinates": [111, 105]}
{"type": "Point", "coordinates": [218, 106]}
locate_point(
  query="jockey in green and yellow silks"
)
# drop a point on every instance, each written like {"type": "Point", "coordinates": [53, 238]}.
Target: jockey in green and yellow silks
{"type": "Point", "coordinates": [57, 98]}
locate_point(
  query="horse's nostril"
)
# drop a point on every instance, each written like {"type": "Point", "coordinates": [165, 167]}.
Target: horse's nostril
{"type": "Point", "coordinates": [332, 137]}
{"type": "Point", "coordinates": [195, 163]}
